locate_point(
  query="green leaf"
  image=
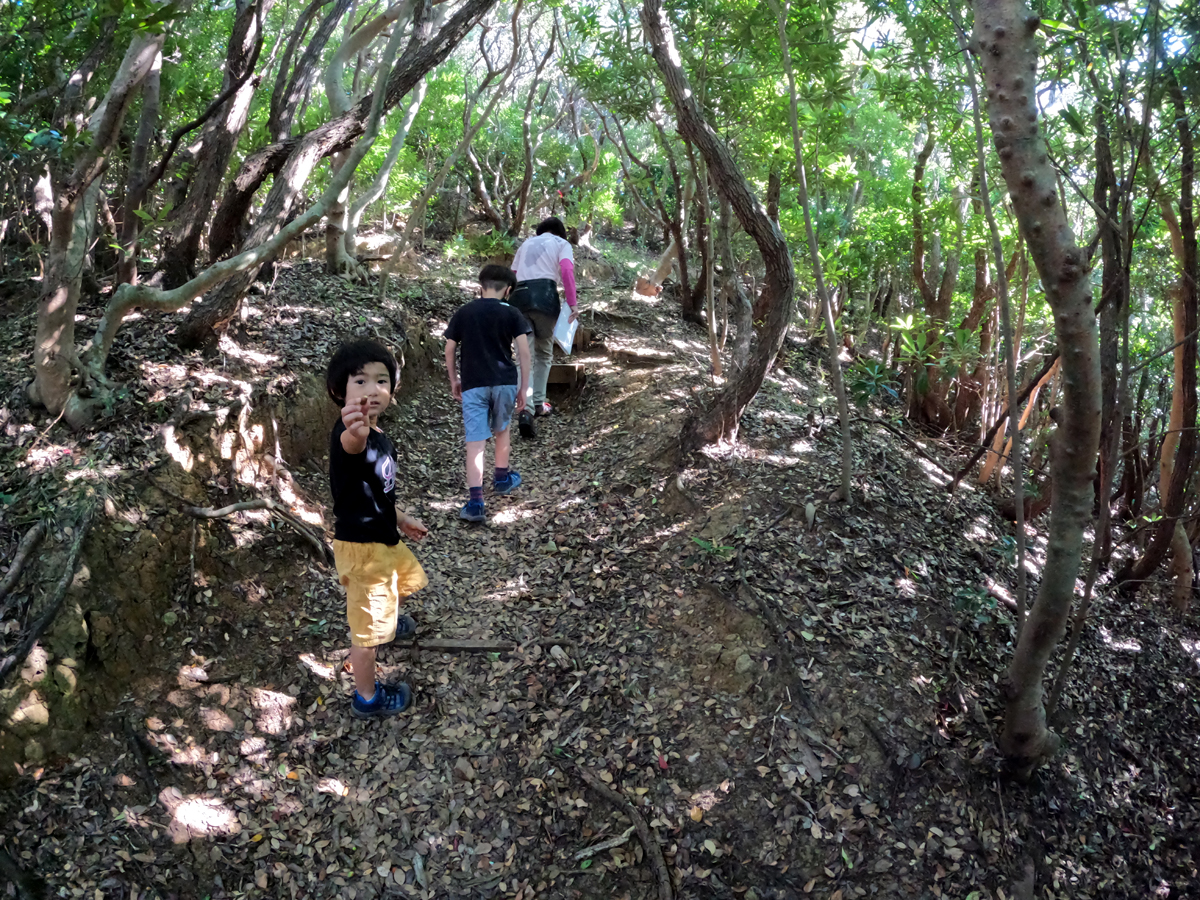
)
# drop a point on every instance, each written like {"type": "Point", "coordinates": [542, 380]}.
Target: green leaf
{"type": "Point", "coordinates": [1072, 117]}
{"type": "Point", "coordinates": [1055, 25]}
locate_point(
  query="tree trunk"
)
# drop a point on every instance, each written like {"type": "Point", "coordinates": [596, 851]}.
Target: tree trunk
{"type": "Point", "coordinates": [338, 260]}
{"type": "Point", "coordinates": [58, 374]}
{"type": "Point", "coordinates": [208, 318]}
{"type": "Point", "coordinates": [733, 290]}
{"type": "Point", "coordinates": [1004, 41]}
{"type": "Point", "coordinates": [186, 222]}
{"type": "Point", "coordinates": [1175, 469]}
{"type": "Point", "coordinates": [720, 421]}
{"type": "Point", "coordinates": [286, 98]}
{"type": "Point", "coordinates": [138, 177]}
{"type": "Point", "coordinates": [529, 142]}
{"type": "Point", "coordinates": [378, 186]}
{"type": "Point", "coordinates": [339, 133]}
{"type": "Point", "coordinates": [832, 338]}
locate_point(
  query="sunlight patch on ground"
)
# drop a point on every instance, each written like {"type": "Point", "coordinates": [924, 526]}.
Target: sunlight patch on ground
{"type": "Point", "coordinates": [512, 590]}
{"type": "Point", "coordinates": [318, 668]}
{"type": "Point", "coordinates": [230, 348]}
{"type": "Point", "coordinates": [216, 719]}
{"type": "Point", "coordinates": [197, 817]}
{"type": "Point", "coordinates": [1192, 649]}
{"type": "Point", "coordinates": [332, 786]}
{"type": "Point", "coordinates": [274, 710]}
{"type": "Point", "coordinates": [106, 472]}
{"type": "Point", "coordinates": [512, 515]}
{"type": "Point", "coordinates": [936, 475]}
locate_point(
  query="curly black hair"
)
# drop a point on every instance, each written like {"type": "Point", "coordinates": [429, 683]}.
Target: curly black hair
{"type": "Point", "coordinates": [350, 359]}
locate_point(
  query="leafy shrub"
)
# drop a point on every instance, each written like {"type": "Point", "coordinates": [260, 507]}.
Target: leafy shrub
{"type": "Point", "coordinates": [492, 244]}
{"type": "Point", "coordinates": [869, 380]}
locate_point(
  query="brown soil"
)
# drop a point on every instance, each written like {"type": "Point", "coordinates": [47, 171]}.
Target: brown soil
{"type": "Point", "coordinates": [777, 700]}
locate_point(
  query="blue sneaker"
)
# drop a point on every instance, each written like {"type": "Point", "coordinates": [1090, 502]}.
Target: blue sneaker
{"type": "Point", "coordinates": [389, 700]}
{"type": "Point", "coordinates": [406, 628]}
{"type": "Point", "coordinates": [473, 511]}
{"type": "Point", "coordinates": [508, 484]}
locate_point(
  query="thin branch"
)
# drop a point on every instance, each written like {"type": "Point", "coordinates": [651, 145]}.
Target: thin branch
{"type": "Point", "coordinates": [987, 439]}
{"type": "Point", "coordinates": [28, 543]}
{"type": "Point", "coordinates": [265, 503]}
{"type": "Point", "coordinates": [55, 601]}
{"type": "Point", "coordinates": [649, 843]}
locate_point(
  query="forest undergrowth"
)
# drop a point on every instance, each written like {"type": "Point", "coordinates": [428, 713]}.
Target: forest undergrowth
{"type": "Point", "coordinates": [797, 708]}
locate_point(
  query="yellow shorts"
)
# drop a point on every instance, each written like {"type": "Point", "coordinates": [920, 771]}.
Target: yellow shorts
{"type": "Point", "coordinates": [376, 577]}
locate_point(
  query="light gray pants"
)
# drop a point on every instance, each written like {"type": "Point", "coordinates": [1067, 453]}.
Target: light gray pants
{"type": "Point", "coordinates": [542, 352]}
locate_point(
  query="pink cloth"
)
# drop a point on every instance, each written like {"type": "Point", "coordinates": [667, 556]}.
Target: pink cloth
{"type": "Point", "coordinates": [567, 268]}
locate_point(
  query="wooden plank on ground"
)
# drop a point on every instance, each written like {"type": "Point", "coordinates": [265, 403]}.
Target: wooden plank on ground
{"type": "Point", "coordinates": [570, 374]}
{"type": "Point", "coordinates": [638, 357]}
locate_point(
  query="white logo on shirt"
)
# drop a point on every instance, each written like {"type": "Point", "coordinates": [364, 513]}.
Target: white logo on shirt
{"type": "Point", "coordinates": [387, 472]}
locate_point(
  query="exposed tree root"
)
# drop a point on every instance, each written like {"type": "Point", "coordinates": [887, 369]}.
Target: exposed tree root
{"type": "Point", "coordinates": [28, 543]}
{"type": "Point", "coordinates": [55, 601]}
{"type": "Point", "coordinates": [323, 550]}
{"type": "Point", "coordinates": [650, 844]}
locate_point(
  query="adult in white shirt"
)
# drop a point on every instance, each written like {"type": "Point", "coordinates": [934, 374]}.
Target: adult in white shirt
{"type": "Point", "coordinates": [542, 264]}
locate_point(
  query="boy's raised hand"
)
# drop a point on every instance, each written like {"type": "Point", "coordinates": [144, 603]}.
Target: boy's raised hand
{"type": "Point", "coordinates": [356, 420]}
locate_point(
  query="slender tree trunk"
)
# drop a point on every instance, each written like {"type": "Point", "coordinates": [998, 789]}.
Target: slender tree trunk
{"type": "Point", "coordinates": [470, 130]}
{"type": "Point", "coordinates": [707, 261]}
{"type": "Point", "coordinates": [1175, 476]}
{"type": "Point", "coordinates": [1004, 41]}
{"type": "Point", "coordinates": [529, 143]}
{"type": "Point", "coordinates": [138, 177]}
{"type": "Point", "coordinates": [58, 374]}
{"type": "Point", "coordinates": [733, 290]}
{"type": "Point", "coordinates": [186, 222]}
{"type": "Point", "coordinates": [720, 421]}
{"type": "Point", "coordinates": [287, 96]}
{"type": "Point", "coordinates": [378, 186]}
{"type": "Point", "coordinates": [832, 338]}
{"type": "Point", "coordinates": [339, 133]}
{"type": "Point", "coordinates": [338, 260]}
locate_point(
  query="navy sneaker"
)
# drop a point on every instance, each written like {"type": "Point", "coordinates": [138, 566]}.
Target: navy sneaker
{"type": "Point", "coordinates": [389, 700]}
{"type": "Point", "coordinates": [473, 511]}
{"type": "Point", "coordinates": [525, 424]}
{"type": "Point", "coordinates": [508, 484]}
{"type": "Point", "coordinates": [406, 628]}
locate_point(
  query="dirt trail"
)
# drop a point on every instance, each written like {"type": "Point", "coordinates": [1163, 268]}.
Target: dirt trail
{"type": "Point", "coordinates": [775, 699]}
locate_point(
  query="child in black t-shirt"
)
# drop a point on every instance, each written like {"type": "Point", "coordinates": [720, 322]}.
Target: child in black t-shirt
{"type": "Point", "coordinates": [376, 569]}
{"type": "Point", "coordinates": [489, 388]}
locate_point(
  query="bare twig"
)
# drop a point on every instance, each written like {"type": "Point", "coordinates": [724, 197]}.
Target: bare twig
{"type": "Point", "coordinates": [649, 843]}
{"type": "Point", "coordinates": [148, 779]}
{"type": "Point", "coordinates": [452, 645]}
{"type": "Point", "coordinates": [1003, 417]}
{"type": "Point", "coordinates": [55, 601]}
{"type": "Point", "coordinates": [623, 838]}
{"type": "Point", "coordinates": [28, 543]}
{"type": "Point", "coordinates": [900, 434]}
{"type": "Point", "coordinates": [191, 568]}
{"type": "Point", "coordinates": [283, 512]}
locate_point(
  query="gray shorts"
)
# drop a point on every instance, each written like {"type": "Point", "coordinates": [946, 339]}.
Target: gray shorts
{"type": "Point", "coordinates": [488, 410]}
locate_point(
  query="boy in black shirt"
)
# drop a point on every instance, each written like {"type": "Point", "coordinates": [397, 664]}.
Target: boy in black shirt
{"type": "Point", "coordinates": [376, 569]}
{"type": "Point", "coordinates": [489, 388]}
